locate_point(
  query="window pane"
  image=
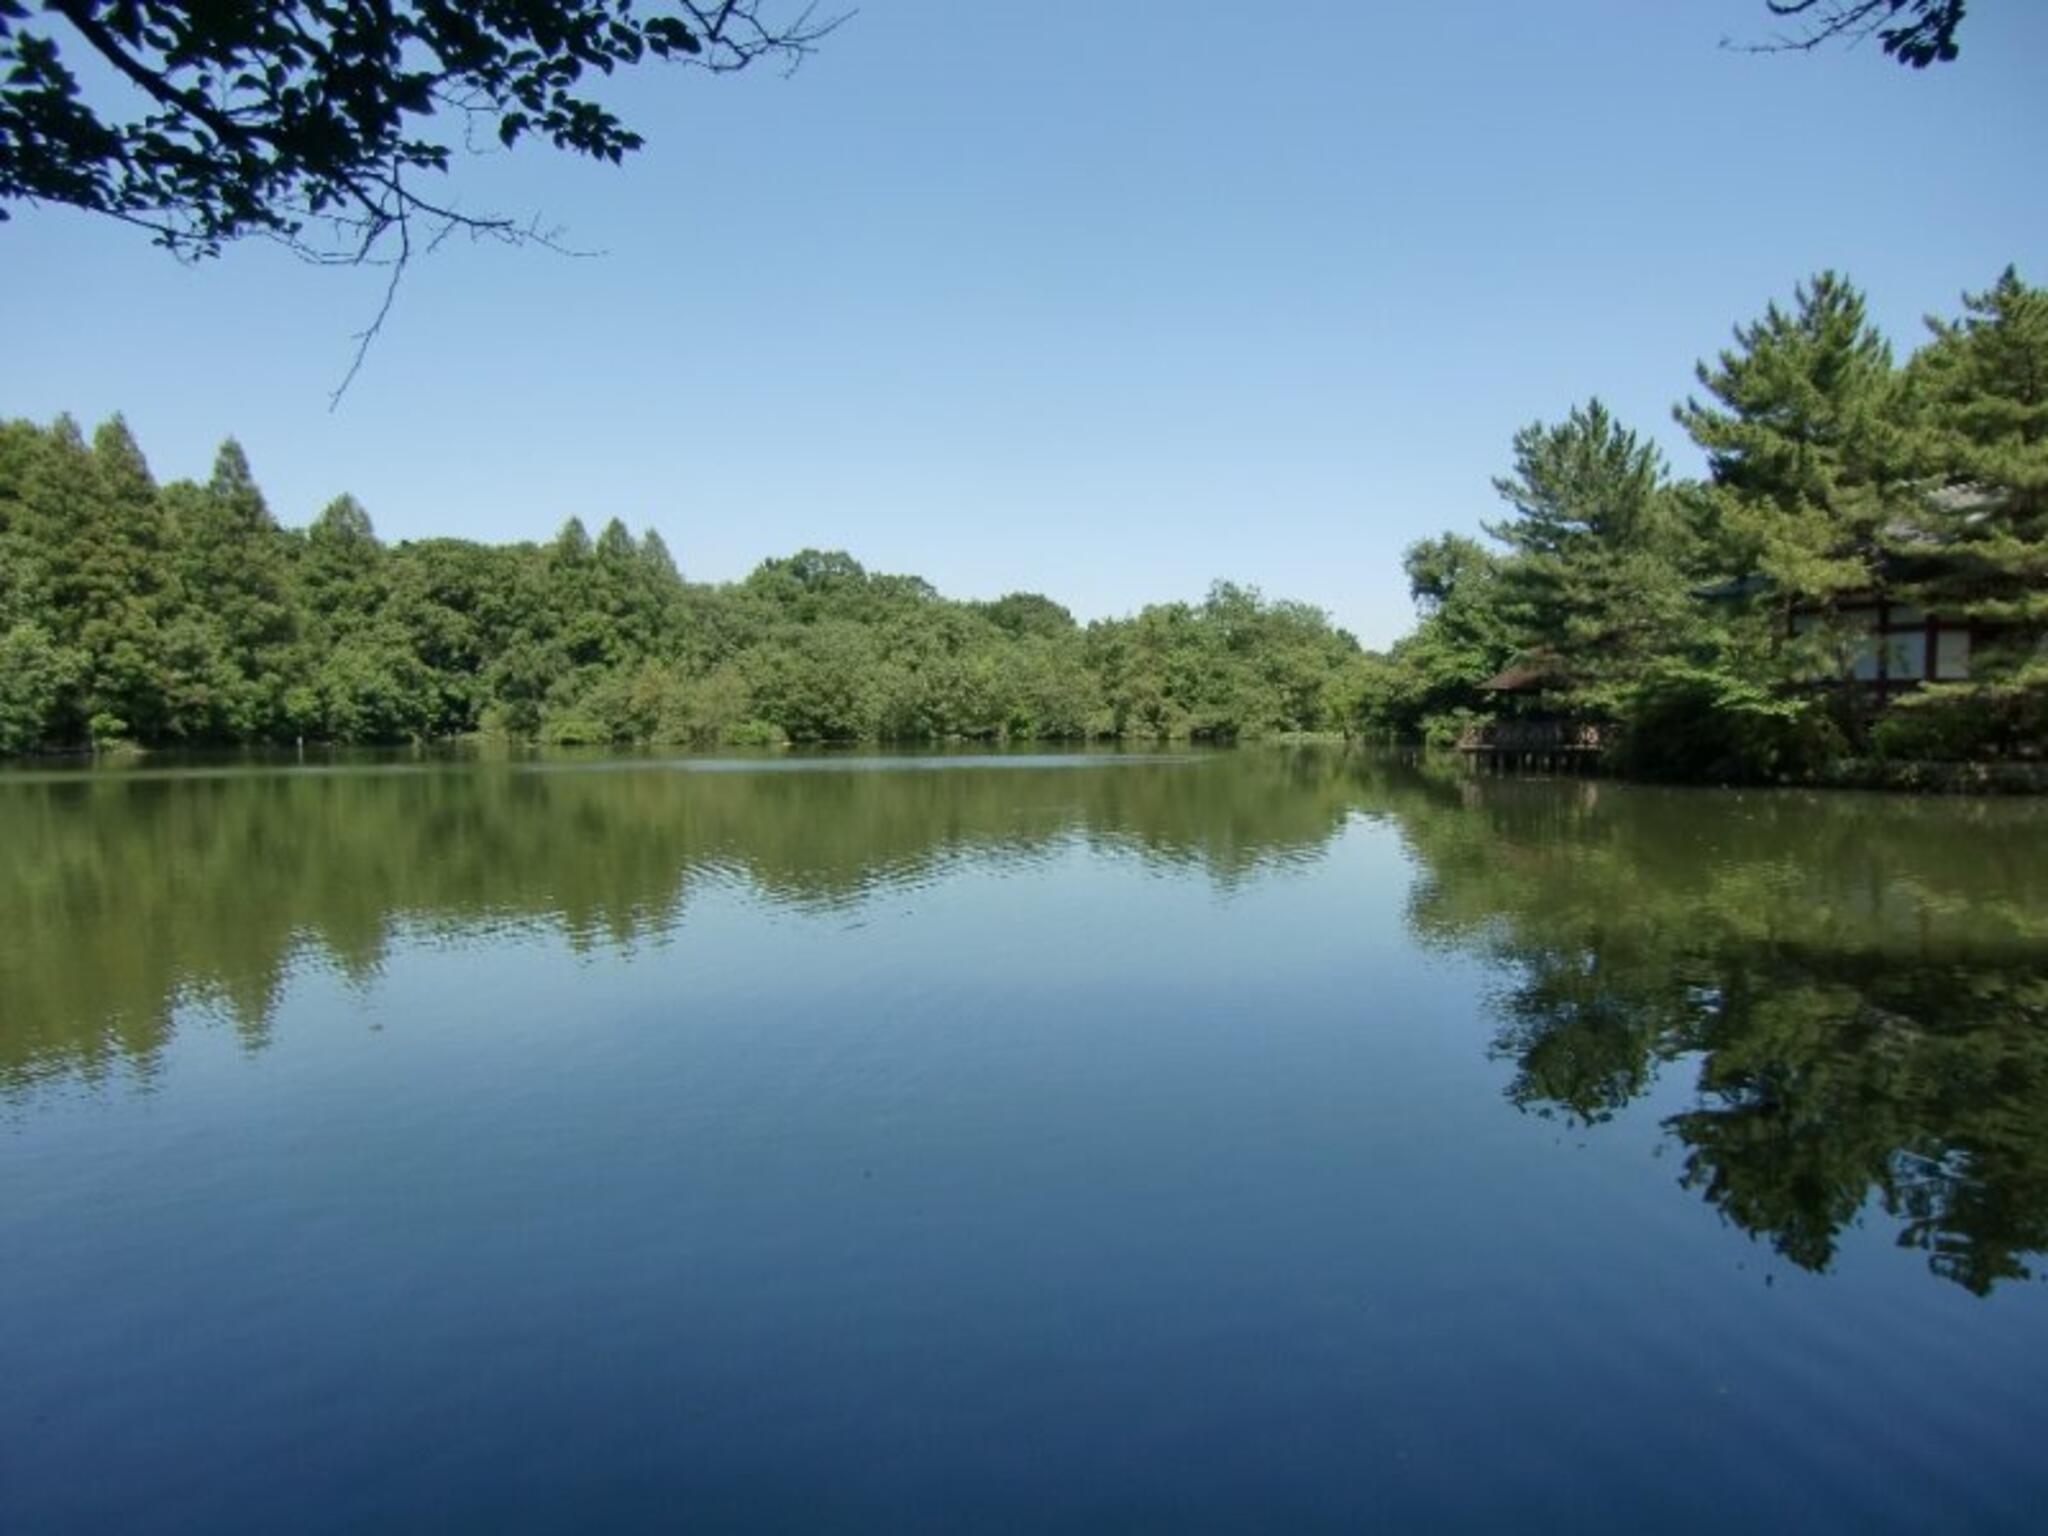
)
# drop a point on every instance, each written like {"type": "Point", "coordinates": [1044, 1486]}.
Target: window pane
{"type": "Point", "coordinates": [1865, 668]}
{"type": "Point", "coordinates": [1952, 655]}
{"type": "Point", "coordinates": [1905, 656]}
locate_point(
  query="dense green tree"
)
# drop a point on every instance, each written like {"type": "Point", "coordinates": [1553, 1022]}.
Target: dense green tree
{"type": "Point", "coordinates": [341, 568]}
{"type": "Point", "coordinates": [91, 550]}
{"type": "Point", "coordinates": [1028, 613]}
{"type": "Point", "coordinates": [21, 589]}
{"type": "Point", "coordinates": [1976, 546]}
{"type": "Point", "coordinates": [1429, 686]}
{"type": "Point", "coordinates": [1802, 443]}
{"type": "Point", "coordinates": [367, 690]}
{"type": "Point", "coordinates": [237, 615]}
{"type": "Point", "coordinates": [1595, 574]}
{"type": "Point", "coordinates": [1807, 464]}
{"type": "Point", "coordinates": [35, 675]}
{"type": "Point", "coordinates": [826, 685]}
{"type": "Point", "coordinates": [186, 614]}
{"type": "Point", "coordinates": [1722, 629]}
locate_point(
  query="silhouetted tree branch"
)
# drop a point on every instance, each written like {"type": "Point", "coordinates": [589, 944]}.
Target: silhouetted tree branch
{"type": "Point", "coordinates": [1915, 32]}
{"type": "Point", "coordinates": [315, 122]}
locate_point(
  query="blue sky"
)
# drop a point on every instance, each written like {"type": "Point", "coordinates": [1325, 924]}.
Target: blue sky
{"type": "Point", "coordinates": [1104, 311]}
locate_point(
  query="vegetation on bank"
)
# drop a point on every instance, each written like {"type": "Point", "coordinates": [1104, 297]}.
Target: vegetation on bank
{"type": "Point", "coordinates": [1835, 477]}
{"type": "Point", "coordinates": [184, 614]}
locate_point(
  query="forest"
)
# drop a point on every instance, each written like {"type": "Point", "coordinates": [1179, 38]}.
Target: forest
{"type": "Point", "coordinates": [1717, 627]}
{"type": "Point", "coordinates": [184, 614]}
{"type": "Point", "coordinates": [1712, 627]}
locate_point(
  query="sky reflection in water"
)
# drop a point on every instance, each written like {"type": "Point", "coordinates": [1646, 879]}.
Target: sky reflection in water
{"type": "Point", "coordinates": [1268, 1138]}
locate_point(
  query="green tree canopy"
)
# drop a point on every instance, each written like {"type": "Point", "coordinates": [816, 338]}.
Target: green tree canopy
{"type": "Point", "coordinates": [1595, 570]}
{"type": "Point", "coordinates": [1799, 437]}
{"type": "Point", "coordinates": [1976, 546]}
{"type": "Point", "coordinates": [1694, 621]}
{"type": "Point", "coordinates": [186, 614]}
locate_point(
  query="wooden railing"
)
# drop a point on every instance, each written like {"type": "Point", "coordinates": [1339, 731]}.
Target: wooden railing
{"type": "Point", "coordinates": [1531, 736]}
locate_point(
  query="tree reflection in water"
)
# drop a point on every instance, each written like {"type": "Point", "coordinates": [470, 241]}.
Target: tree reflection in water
{"type": "Point", "coordinates": [1859, 984]}
{"type": "Point", "coordinates": [124, 896]}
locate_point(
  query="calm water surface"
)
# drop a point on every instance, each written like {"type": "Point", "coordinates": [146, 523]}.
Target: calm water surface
{"type": "Point", "coordinates": [1251, 1142]}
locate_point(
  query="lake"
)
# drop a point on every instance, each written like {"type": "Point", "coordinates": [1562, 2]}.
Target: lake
{"type": "Point", "coordinates": [1272, 1140]}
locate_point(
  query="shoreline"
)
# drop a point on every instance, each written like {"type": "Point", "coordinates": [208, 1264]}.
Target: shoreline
{"type": "Point", "coordinates": [1987, 779]}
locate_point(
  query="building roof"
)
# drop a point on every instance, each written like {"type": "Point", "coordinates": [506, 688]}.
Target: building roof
{"type": "Point", "coordinates": [1531, 674]}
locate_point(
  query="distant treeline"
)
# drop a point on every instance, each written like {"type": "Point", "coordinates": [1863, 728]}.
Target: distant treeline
{"type": "Point", "coordinates": [1719, 627]}
{"type": "Point", "coordinates": [1722, 627]}
{"type": "Point", "coordinates": [184, 614]}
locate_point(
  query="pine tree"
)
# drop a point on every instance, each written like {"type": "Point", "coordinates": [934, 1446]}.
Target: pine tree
{"type": "Point", "coordinates": [1805, 450]}
{"type": "Point", "coordinates": [1594, 578]}
{"type": "Point", "coordinates": [1806, 458]}
{"type": "Point", "coordinates": [1979, 544]}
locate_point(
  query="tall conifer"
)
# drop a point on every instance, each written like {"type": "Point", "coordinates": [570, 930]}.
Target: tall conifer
{"type": "Point", "coordinates": [1593, 577]}
{"type": "Point", "coordinates": [1802, 447]}
{"type": "Point", "coordinates": [1979, 540]}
